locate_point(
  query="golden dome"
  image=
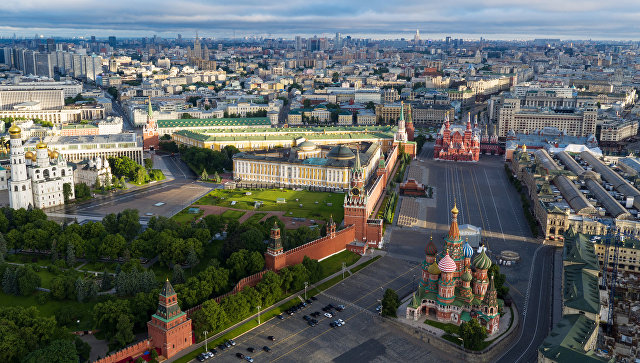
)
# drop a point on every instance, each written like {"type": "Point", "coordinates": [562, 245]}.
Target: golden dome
{"type": "Point", "coordinates": [33, 157]}
{"type": "Point", "coordinates": [28, 155]}
{"type": "Point", "coordinates": [524, 148]}
{"type": "Point", "coordinates": [41, 145]}
{"type": "Point", "coordinates": [55, 154]}
{"type": "Point", "coordinates": [455, 209]}
{"type": "Point", "coordinates": [14, 129]}
{"type": "Point", "coordinates": [49, 152]}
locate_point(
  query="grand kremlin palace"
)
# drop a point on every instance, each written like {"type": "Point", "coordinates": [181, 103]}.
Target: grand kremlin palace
{"type": "Point", "coordinates": [249, 139]}
{"type": "Point", "coordinates": [307, 164]}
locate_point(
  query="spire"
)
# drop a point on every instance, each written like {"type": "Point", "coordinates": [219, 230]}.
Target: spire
{"type": "Point", "coordinates": [454, 231]}
{"type": "Point", "coordinates": [167, 289]}
{"type": "Point", "coordinates": [401, 111]}
{"type": "Point", "coordinates": [409, 117]}
{"type": "Point", "coordinates": [150, 109]}
{"type": "Point", "coordinates": [357, 165]}
{"type": "Point", "coordinates": [469, 121]}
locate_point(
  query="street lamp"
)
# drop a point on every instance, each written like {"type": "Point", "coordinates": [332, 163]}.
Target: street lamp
{"type": "Point", "coordinates": [306, 284]}
{"type": "Point", "coordinates": [205, 341]}
{"type": "Point", "coordinates": [258, 313]}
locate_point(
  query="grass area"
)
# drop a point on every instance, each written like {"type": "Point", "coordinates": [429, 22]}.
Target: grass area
{"type": "Point", "coordinates": [255, 218]}
{"type": "Point", "coordinates": [253, 323]}
{"type": "Point", "coordinates": [333, 264]}
{"type": "Point", "coordinates": [232, 214]}
{"type": "Point", "coordinates": [448, 328]}
{"type": "Point", "coordinates": [452, 338]}
{"type": "Point", "coordinates": [309, 209]}
{"type": "Point", "coordinates": [39, 260]}
{"type": "Point", "coordinates": [364, 264]}
{"type": "Point", "coordinates": [184, 217]}
{"type": "Point", "coordinates": [50, 307]}
{"type": "Point", "coordinates": [45, 278]}
{"type": "Point", "coordinates": [99, 266]}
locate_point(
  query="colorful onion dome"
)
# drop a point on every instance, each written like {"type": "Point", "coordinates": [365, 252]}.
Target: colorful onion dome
{"type": "Point", "coordinates": [482, 261]}
{"type": "Point", "coordinates": [14, 130]}
{"type": "Point", "coordinates": [466, 276]}
{"type": "Point", "coordinates": [447, 264]}
{"type": "Point", "coordinates": [467, 250]}
{"type": "Point", "coordinates": [434, 269]}
{"type": "Point", "coordinates": [431, 249]}
{"type": "Point", "coordinates": [28, 155]}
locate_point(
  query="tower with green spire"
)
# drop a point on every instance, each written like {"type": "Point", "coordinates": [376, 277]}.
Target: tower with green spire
{"type": "Point", "coordinates": [150, 135]}
{"type": "Point", "coordinates": [169, 328]}
{"type": "Point", "coordinates": [401, 135]}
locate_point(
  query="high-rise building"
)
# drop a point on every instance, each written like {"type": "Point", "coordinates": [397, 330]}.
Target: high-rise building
{"type": "Point", "coordinates": [43, 64]}
{"type": "Point", "coordinates": [51, 45]}
{"type": "Point", "coordinates": [29, 62]}
{"type": "Point", "coordinates": [298, 42]}
{"type": "Point", "coordinates": [416, 38]}
{"type": "Point", "coordinates": [337, 43]}
{"type": "Point", "coordinates": [112, 41]}
{"type": "Point", "coordinates": [93, 66]}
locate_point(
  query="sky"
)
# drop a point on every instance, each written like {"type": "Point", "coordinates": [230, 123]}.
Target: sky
{"type": "Point", "coordinates": [469, 19]}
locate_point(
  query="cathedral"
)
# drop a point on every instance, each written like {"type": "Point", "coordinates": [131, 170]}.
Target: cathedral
{"type": "Point", "coordinates": [454, 287]}
{"type": "Point", "coordinates": [456, 143]}
{"type": "Point", "coordinates": [37, 179]}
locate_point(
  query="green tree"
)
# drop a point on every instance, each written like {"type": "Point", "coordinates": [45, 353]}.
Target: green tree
{"type": "Point", "coordinates": [28, 280]}
{"type": "Point", "coordinates": [82, 191]}
{"type": "Point", "coordinates": [71, 255]}
{"type": "Point", "coordinates": [269, 288]}
{"type": "Point", "coordinates": [66, 191]}
{"type": "Point", "coordinates": [23, 330]}
{"type": "Point", "coordinates": [97, 184]}
{"type": "Point", "coordinates": [106, 317]}
{"type": "Point", "coordinates": [473, 334]}
{"type": "Point", "coordinates": [148, 163]}
{"type": "Point", "coordinates": [204, 176]}
{"type": "Point", "coordinates": [123, 183]}
{"type": "Point", "coordinates": [178, 275]}
{"type": "Point", "coordinates": [314, 268]}
{"type": "Point", "coordinates": [10, 281]}
{"type": "Point", "coordinates": [216, 177]}
{"type": "Point", "coordinates": [106, 282]}
{"type": "Point", "coordinates": [58, 351]}
{"type": "Point", "coordinates": [124, 330]}
{"type": "Point", "coordinates": [390, 303]}
{"type": "Point", "coordinates": [192, 259]}
{"type": "Point", "coordinates": [499, 281]}
{"type": "Point", "coordinates": [3, 248]}
{"type": "Point", "coordinates": [211, 317]}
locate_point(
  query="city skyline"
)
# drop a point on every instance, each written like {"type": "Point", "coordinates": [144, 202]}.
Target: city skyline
{"type": "Point", "coordinates": [491, 19]}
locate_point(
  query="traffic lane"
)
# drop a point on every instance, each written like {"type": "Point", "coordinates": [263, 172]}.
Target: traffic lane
{"type": "Point", "coordinates": [536, 323]}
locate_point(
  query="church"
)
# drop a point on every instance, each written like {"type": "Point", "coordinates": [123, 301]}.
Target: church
{"type": "Point", "coordinates": [455, 286]}
{"type": "Point", "coordinates": [457, 143]}
{"type": "Point", "coordinates": [37, 179]}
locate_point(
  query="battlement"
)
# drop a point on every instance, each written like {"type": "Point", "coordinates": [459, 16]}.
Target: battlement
{"type": "Point", "coordinates": [130, 351]}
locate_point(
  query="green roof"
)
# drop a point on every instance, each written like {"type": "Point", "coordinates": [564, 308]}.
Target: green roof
{"type": "Point", "coordinates": [579, 250]}
{"type": "Point", "coordinates": [580, 289]}
{"type": "Point", "coordinates": [215, 122]}
{"type": "Point", "coordinates": [566, 341]}
{"type": "Point", "coordinates": [79, 126]}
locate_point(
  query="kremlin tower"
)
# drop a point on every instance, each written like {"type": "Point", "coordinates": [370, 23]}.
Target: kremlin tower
{"type": "Point", "coordinates": [150, 135]}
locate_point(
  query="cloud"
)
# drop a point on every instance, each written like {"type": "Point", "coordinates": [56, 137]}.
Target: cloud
{"type": "Point", "coordinates": [489, 18]}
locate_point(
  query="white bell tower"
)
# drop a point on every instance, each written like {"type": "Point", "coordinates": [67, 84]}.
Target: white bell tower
{"type": "Point", "coordinates": [20, 194]}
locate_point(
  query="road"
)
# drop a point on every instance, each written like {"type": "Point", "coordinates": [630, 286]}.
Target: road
{"type": "Point", "coordinates": [175, 194]}
{"type": "Point", "coordinates": [486, 199]}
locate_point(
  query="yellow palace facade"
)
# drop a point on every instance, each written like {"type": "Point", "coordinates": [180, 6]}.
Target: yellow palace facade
{"type": "Point", "coordinates": [306, 165]}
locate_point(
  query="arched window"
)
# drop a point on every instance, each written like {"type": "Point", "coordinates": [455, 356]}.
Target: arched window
{"type": "Point", "coordinates": [15, 188]}
{"type": "Point", "coordinates": [24, 187]}
{"type": "Point", "coordinates": [45, 173]}
{"type": "Point", "coordinates": [62, 172]}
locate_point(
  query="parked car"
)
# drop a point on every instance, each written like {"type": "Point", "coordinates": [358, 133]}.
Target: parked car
{"type": "Point", "coordinates": [251, 349]}
{"type": "Point", "coordinates": [314, 298]}
{"type": "Point", "coordinates": [328, 315]}
{"type": "Point", "coordinates": [227, 344]}
{"type": "Point", "coordinates": [342, 322]}
{"type": "Point", "coordinates": [340, 307]}
{"type": "Point", "coordinates": [272, 338]}
{"type": "Point", "coordinates": [379, 308]}
{"type": "Point", "coordinates": [240, 355]}
{"type": "Point", "coordinates": [266, 349]}
{"type": "Point", "coordinates": [280, 316]}
{"type": "Point", "coordinates": [311, 323]}
{"type": "Point", "coordinates": [222, 347]}
{"type": "Point", "coordinates": [213, 351]}
{"type": "Point", "coordinates": [249, 359]}
{"type": "Point", "coordinates": [201, 357]}
{"type": "Point", "coordinates": [308, 301]}
{"type": "Point", "coordinates": [232, 342]}
{"type": "Point", "coordinates": [333, 324]}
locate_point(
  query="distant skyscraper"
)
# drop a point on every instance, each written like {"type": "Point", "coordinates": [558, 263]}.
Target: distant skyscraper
{"type": "Point", "coordinates": [416, 38]}
{"type": "Point", "coordinates": [43, 64]}
{"type": "Point", "coordinates": [337, 43]}
{"type": "Point", "coordinates": [51, 45]}
{"type": "Point", "coordinates": [298, 42]}
{"type": "Point", "coordinates": [112, 41]}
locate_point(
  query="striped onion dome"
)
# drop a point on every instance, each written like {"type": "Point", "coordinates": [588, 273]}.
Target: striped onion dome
{"type": "Point", "coordinates": [447, 264]}
{"type": "Point", "coordinates": [482, 261]}
{"type": "Point", "coordinates": [433, 269]}
{"type": "Point", "coordinates": [431, 249]}
{"type": "Point", "coordinates": [467, 250]}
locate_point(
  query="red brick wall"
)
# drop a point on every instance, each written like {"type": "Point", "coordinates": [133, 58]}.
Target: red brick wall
{"type": "Point", "coordinates": [130, 351]}
{"type": "Point", "coordinates": [321, 247]}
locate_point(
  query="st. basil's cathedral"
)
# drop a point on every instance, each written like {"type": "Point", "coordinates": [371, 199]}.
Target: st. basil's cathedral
{"type": "Point", "coordinates": [454, 287]}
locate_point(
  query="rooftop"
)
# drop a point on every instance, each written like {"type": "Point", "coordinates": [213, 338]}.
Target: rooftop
{"type": "Point", "coordinates": [566, 341]}
{"type": "Point", "coordinates": [215, 122]}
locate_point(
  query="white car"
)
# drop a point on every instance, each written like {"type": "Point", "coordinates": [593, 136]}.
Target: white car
{"type": "Point", "coordinates": [328, 315]}
{"type": "Point", "coordinates": [342, 322]}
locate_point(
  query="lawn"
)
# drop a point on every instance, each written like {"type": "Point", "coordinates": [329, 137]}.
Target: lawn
{"type": "Point", "coordinates": [311, 205]}
{"type": "Point", "coordinates": [184, 217]}
{"type": "Point", "coordinates": [448, 328]}
{"type": "Point", "coordinates": [99, 266]}
{"type": "Point", "coordinates": [255, 218]}
{"type": "Point", "coordinates": [232, 214]}
{"type": "Point", "coordinates": [50, 307]}
{"type": "Point", "coordinates": [333, 264]}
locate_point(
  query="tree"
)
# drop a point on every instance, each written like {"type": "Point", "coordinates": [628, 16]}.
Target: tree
{"type": "Point", "coordinates": [216, 177]}
{"type": "Point", "coordinates": [390, 303]}
{"type": "Point", "coordinates": [28, 280]}
{"type": "Point", "coordinates": [499, 281]}
{"type": "Point", "coordinates": [66, 191]}
{"type": "Point", "coordinates": [23, 330]}
{"type": "Point", "coordinates": [314, 268]}
{"type": "Point", "coordinates": [107, 281]}
{"type": "Point", "coordinates": [124, 330]}
{"type": "Point", "coordinates": [10, 281]}
{"type": "Point", "coordinates": [97, 184]}
{"type": "Point", "coordinates": [204, 176]}
{"type": "Point", "coordinates": [269, 288]}
{"type": "Point", "coordinates": [82, 191]}
{"type": "Point", "coordinates": [106, 317]}
{"type": "Point", "coordinates": [178, 275]}
{"type": "Point", "coordinates": [3, 248]}
{"type": "Point", "coordinates": [192, 259]}
{"type": "Point", "coordinates": [58, 351]}
{"type": "Point", "coordinates": [71, 255]}
{"type": "Point", "coordinates": [211, 317]}
{"type": "Point", "coordinates": [473, 334]}
{"type": "Point", "coordinates": [123, 183]}
{"type": "Point", "coordinates": [148, 163]}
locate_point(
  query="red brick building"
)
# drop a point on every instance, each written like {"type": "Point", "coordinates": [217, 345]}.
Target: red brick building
{"type": "Point", "coordinates": [457, 143]}
{"type": "Point", "coordinates": [169, 329]}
